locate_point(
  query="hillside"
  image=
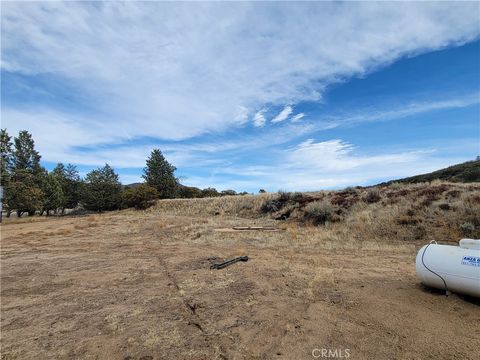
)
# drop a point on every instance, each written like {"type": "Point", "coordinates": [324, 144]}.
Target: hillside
{"type": "Point", "coordinates": [465, 172]}
{"type": "Point", "coordinates": [412, 213]}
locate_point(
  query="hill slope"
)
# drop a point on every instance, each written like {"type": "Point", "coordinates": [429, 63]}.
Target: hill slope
{"type": "Point", "coordinates": [465, 172]}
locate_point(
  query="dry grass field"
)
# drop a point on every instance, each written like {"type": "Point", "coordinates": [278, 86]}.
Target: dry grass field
{"type": "Point", "coordinates": [137, 284]}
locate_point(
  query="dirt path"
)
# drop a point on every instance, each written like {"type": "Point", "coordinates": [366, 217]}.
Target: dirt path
{"type": "Point", "coordinates": [138, 286]}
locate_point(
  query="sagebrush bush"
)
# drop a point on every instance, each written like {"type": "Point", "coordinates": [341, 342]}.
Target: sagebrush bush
{"type": "Point", "coordinates": [319, 212]}
{"type": "Point", "coordinates": [373, 196]}
{"type": "Point", "coordinates": [286, 197]}
{"type": "Point", "coordinates": [272, 205]}
{"type": "Point", "coordinates": [283, 198]}
{"type": "Point", "coordinates": [467, 228]}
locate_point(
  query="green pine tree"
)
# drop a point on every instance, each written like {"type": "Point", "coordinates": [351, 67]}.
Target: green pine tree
{"type": "Point", "coordinates": [53, 193]}
{"type": "Point", "coordinates": [102, 190]}
{"type": "Point", "coordinates": [70, 183]}
{"type": "Point", "coordinates": [23, 194]}
{"type": "Point", "coordinates": [24, 155]}
{"type": "Point", "coordinates": [6, 156]}
{"type": "Point", "coordinates": [159, 174]}
{"type": "Point", "coordinates": [5, 162]}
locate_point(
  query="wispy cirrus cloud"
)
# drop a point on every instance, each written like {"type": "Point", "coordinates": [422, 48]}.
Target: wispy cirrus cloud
{"type": "Point", "coordinates": [259, 118]}
{"type": "Point", "coordinates": [398, 112]}
{"type": "Point", "coordinates": [283, 115]}
{"type": "Point", "coordinates": [298, 117]}
{"type": "Point", "coordinates": [86, 142]}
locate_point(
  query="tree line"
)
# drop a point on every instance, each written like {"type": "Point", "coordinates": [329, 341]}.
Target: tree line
{"type": "Point", "coordinates": [30, 189]}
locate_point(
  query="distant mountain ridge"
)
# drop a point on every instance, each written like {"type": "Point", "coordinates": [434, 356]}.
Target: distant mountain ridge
{"type": "Point", "coordinates": [465, 172]}
{"type": "Point", "coordinates": [133, 185]}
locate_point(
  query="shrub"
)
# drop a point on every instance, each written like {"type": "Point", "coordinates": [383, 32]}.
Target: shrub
{"type": "Point", "coordinates": [350, 190]}
{"type": "Point", "coordinates": [319, 212]}
{"type": "Point", "coordinates": [286, 197]}
{"type": "Point", "coordinates": [283, 198]}
{"type": "Point", "coordinates": [343, 200]}
{"type": "Point", "coordinates": [189, 192]}
{"type": "Point", "coordinates": [272, 205]}
{"type": "Point", "coordinates": [444, 206]}
{"type": "Point", "coordinates": [453, 194]}
{"type": "Point", "coordinates": [428, 200]}
{"type": "Point", "coordinates": [467, 228]}
{"type": "Point", "coordinates": [140, 197]}
{"type": "Point", "coordinates": [373, 196]}
{"type": "Point", "coordinates": [433, 191]}
{"type": "Point", "coordinates": [210, 192]}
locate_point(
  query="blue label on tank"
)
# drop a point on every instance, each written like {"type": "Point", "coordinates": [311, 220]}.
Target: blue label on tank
{"type": "Point", "coordinates": [471, 260]}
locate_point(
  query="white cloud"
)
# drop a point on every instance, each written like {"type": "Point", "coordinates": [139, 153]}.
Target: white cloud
{"type": "Point", "coordinates": [259, 118]}
{"type": "Point", "coordinates": [283, 115]}
{"type": "Point", "coordinates": [298, 117]}
{"type": "Point", "coordinates": [178, 70]}
{"type": "Point", "coordinates": [337, 155]}
{"type": "Point", "coordinates": [408, 109]}
{"type": "Point", "coordinates": [60, 140]}
{"type": "Point", "coordinates": [334, 164]}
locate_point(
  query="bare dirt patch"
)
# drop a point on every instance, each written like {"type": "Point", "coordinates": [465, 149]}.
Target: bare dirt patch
{"type": "Point", "coordinates": [137, 285]}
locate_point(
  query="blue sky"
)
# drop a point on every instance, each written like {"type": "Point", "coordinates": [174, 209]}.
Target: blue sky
{"type": "Point", "coordinates": [294, 96]}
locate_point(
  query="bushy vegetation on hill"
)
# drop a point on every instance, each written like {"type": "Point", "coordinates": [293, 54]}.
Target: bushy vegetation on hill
{"type": "Point", "coordinates": [441, 211]}
{"type": "Point", "coordinates": [465, 172]}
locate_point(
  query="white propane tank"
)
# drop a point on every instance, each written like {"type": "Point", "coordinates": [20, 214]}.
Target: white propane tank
{"type": "Point", "coordinates": [452, 268]}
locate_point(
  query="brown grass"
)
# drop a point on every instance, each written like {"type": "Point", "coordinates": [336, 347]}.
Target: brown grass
{"type": "Point", "coordinates": [396, 213]}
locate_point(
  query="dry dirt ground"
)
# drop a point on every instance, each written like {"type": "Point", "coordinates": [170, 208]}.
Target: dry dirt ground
{"type": "Point", "coordinates": [137, 285]}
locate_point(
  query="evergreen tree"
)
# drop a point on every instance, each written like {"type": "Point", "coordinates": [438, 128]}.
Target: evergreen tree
{"type": "Point", "coordinates": [6, 156]}
{"type": "Point", "coordinates": [102, 190]}
{"type": "Point", "coordinates": [5, 161]}
{"type": "Point", "coordinates": [53, 194]}
{"type": "Point", "coordinates": [24, 155]}
{"type": "Point", "coordinates": [69, 180]}
{"type": "Point", "coordinates": [159, 174]}
{"type": "Point", "coordinates": [22, 193]}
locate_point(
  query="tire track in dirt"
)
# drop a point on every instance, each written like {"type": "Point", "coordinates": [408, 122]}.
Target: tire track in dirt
{"type": "Point", "coordinates": [190, 306]}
